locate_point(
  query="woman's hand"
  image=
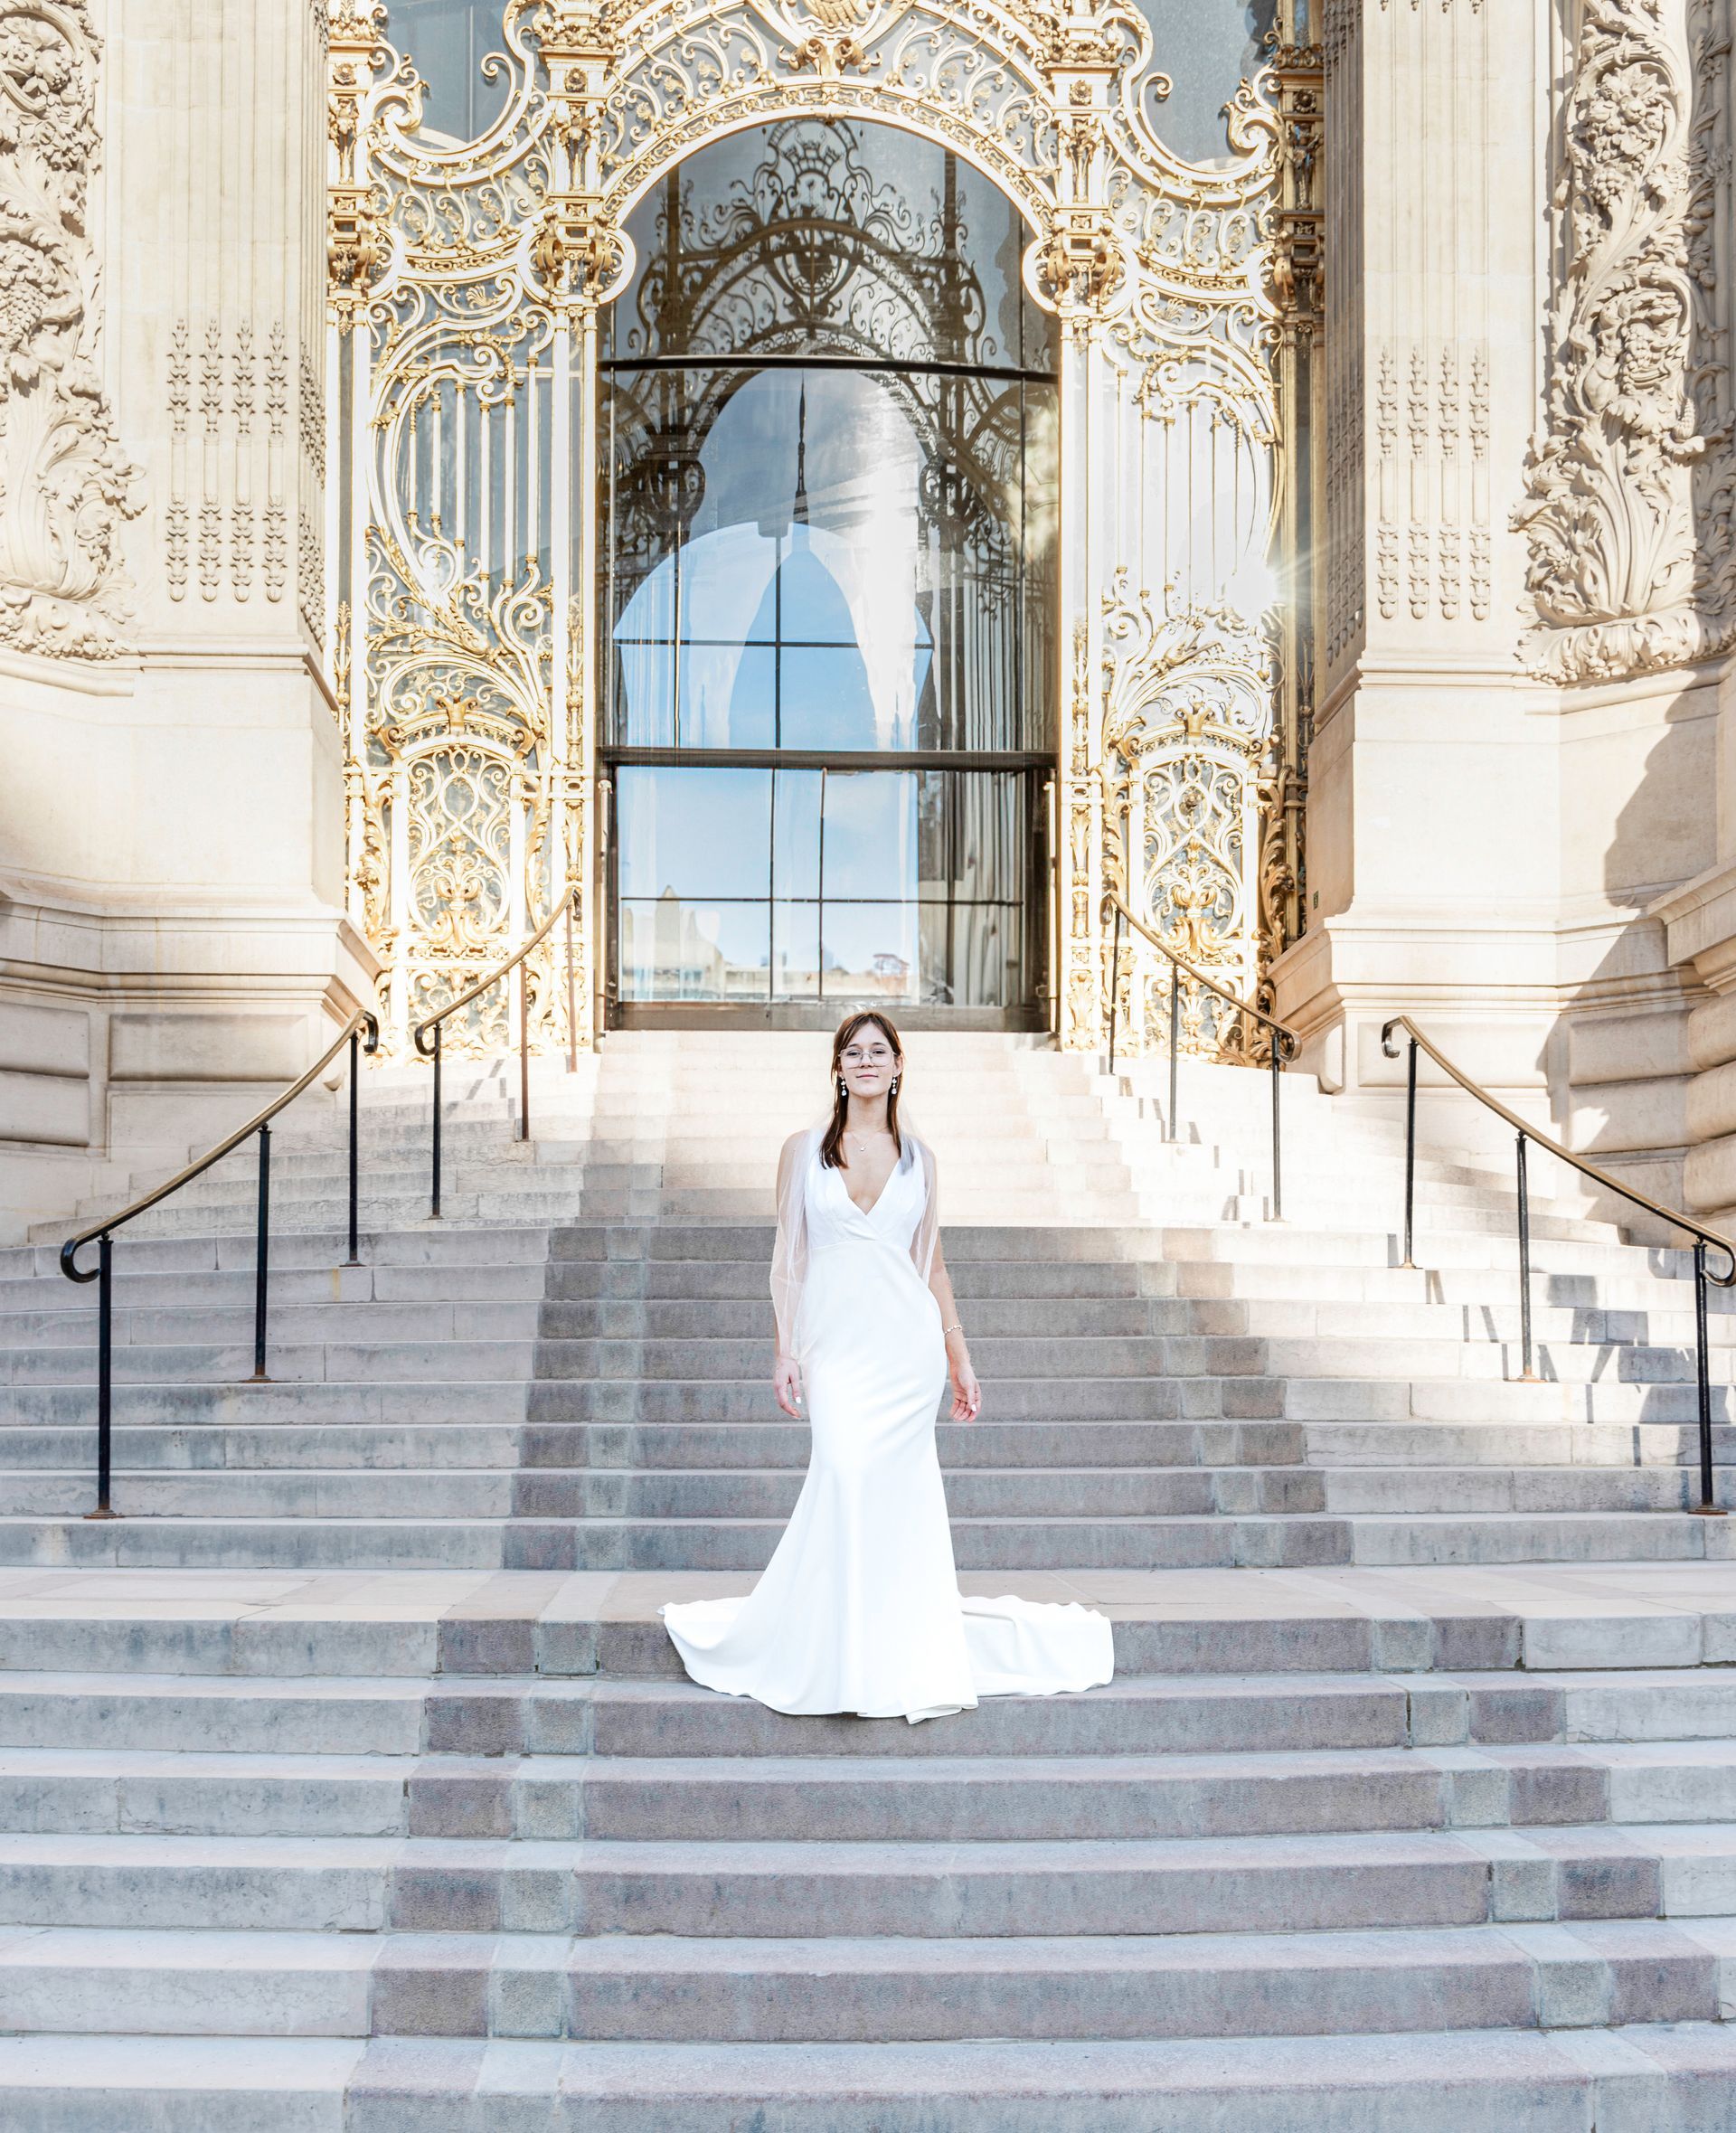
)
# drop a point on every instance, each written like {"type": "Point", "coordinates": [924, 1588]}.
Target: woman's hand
{"type": "Point", "coordinates": [786, 1383]}
{"type": "Point", "coordinates": [967, 1394]}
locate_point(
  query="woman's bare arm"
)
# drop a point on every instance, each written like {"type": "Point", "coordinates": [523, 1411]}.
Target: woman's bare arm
{"type": "Point", "coordinates": [967, 1394]}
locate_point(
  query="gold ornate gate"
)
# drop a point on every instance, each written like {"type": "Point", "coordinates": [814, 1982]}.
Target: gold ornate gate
{"type": "Point", "coordinates": [465, 282]}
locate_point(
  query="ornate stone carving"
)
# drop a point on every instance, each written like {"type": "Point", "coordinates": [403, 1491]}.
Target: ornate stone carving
{"type": "Point", "coordinates": [65, 482]}
{"type": "Point", "coordinates": [1609, 515]}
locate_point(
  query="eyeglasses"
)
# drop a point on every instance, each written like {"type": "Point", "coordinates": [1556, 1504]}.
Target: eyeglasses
{"type": "Point", "coordinates": [858, 1055]}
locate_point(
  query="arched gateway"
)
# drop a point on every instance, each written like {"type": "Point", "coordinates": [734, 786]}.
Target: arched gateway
{"type": "Point", "coordinates": [806, 474]}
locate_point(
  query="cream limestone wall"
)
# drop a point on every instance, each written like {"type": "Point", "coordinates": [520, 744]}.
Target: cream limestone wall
{"type": "Point", "coordinates": [1517, 748]}
{"type": "Point", "coordinates": [1435, 802]}
{"type": "Point", "coordinates": [171, 869]}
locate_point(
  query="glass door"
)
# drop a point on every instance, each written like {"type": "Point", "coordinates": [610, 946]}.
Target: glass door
{"type": "Point", "coordinates": [828, 420]}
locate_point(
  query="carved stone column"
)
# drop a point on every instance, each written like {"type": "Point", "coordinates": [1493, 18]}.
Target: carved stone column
{"type": "Point", "coordinates": [1509, 753]}
{"type": "Point", "coordinates": [173, 864]}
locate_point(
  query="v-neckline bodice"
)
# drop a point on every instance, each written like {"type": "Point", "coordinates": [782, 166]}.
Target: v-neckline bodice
{"type": "Point", "coordinates": [868, 1213]}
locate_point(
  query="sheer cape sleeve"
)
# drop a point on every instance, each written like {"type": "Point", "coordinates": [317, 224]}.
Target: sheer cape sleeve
{"type": "Point", "coordinates": [790, 1252]}
{"type": "Point", "coordinates": [928, 1228]}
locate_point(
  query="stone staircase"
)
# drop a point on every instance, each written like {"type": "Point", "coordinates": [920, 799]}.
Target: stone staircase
{"type": "Point", "coordinates": [348, 1782]}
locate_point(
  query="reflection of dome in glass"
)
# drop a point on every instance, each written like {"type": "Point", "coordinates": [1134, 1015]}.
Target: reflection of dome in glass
{"type": "Point", "coordinates": [853, 649]}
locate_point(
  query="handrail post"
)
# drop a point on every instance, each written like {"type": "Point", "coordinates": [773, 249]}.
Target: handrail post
{"type": "Point", "coordinates": [1174, 1040]}
{"type": "Point", "coordinates": [1527, 1373]}
{"type": "Point", "coordinates": [1707, 1507]}
{"type": "Point", "coordinates": [434, 1210]}
{"type": "Point", "coordinates": [572, 1011]}
{"type": "Point", "coordinates": [1115, 986]}
{"type": "Point", "coordinates": [105, 1375]}
{"type": "Point", "coordinates": [262, 1256]}
{"type": "Point", "coordinates": [1410, 1159]}
{"type": "Point", "coordinates": [523, 1051]}
{"type": "Point", "coordinates": [1277, 1155]}
{"type": "Point", "coordinates": [355, 1126]}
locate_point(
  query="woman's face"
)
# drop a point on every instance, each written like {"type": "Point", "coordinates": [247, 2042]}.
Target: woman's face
{"type": "Point", "coordinates": [868, 1063]}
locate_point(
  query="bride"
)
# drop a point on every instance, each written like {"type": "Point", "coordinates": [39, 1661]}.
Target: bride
{"type": "Point", "coordinates": [859, 1609]}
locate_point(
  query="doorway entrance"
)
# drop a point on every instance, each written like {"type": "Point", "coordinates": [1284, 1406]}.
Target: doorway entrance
{"type": "Point", "coordinates": [828, 425]}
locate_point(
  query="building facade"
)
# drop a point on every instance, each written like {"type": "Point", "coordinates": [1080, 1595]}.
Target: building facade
{"type": "Point", "coordinates": [838, 490]}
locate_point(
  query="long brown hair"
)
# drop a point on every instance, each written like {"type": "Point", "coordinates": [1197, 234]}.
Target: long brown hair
{"type": "Point", "coordinates": [834, 1142]}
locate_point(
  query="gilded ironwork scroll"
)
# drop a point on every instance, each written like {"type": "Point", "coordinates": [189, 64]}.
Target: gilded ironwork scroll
{"type": "Point", "coordinates": [466, 279]}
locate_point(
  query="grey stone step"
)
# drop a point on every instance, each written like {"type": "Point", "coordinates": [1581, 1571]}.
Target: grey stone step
{"type": "Point", "coordinates": [326, 1404]}
{"type": "Point", "coordinates": [453, 1491]}
{"type": "Point", "coordinates": [293, 1793]}
{"type": "Point", "coordinates": [242, 1449]}
{"type": "Point", "coordinates": [85, 1981]}
{"type": "Point", "coordinates": [1539, 1536]}
{"type": "Point", "coordinates": [997, 1543]}
{"type": "Point", "coordinates": [1130, 1398]}
{"type": "Point", "coordinates": [409, 1493]}
{"type": "Point", "coordinates": [1646, 2076]}
{"type": "Point", "coordinates": [1364, 1491]}
{"type": "Point", "coordinates": [447, 1362]}
{"type": "Point", "coordinates": [973, 1493]}
{"type": "Point", "coordinates": [655, 1447]}
{"type": "Point", "coordinates": [880, 1991]}
{"type": "Point", "coordinates": [979, 1444]}
{"type": "Point", "coordinates": [1178, 1714]}
{"type": "Point", "coordinates": [1323, 1881]}
{"type": "Point", "coordinates": [1470, 1444]}
{"type": "Point", "coordinates": [258, 1544]}
{"type": "Point", "coordinates": [1132, 1716]}
{"type": "Point", "coordinates": [290, 1323]}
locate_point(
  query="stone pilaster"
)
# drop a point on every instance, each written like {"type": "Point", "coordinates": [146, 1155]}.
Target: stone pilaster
{"type": "Point", "coordinates": [172, 870]}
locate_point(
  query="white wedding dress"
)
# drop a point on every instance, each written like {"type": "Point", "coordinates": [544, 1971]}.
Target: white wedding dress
{"type": "Point", "coordinates": [859, 1609]}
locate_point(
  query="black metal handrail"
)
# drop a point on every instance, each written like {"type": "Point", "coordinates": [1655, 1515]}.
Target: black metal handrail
{"type": "Point", "coordinates": [1285, 1042]}
{"type": "Point", "coordinates": [1702, 1234]}
{"type": "Point", "coordinates": [514, 962]}
{"type": "Point", "coordinates": [103, 1231]}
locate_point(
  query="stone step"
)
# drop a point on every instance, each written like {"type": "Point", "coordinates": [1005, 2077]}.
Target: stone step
{"type": "Point", "coordinates": [1642, 2075]}
{"type": "Point", "coordinates": [357, 1446]}
{"type": "Point", "coordinates": [1183, 1714]}
{"type": "Point", "coordinates": [991, 1444]}
{"type": "Point", "coordinates": [1323, 1881]}
{"type": "Point", "coordinates": [258, 1793]}
{"type": "Point", "coordinates": [315, 1539]}
{"type": "Point", "coordinates": [299, 1402]}
{"type": "Point", "coordinates": [1412, 1489]}
{"type": "Point", "coordinates": [651, 1447]}
{"type": "Point", "coordinates": [601, 1543]}
{"type": "Point", "coordinates": [402, 1714]}
{"type": "Point", "coordinates": [447, 1362]}
{"type": "Point", "coordinates": [1476, 1445]}
{"type": "Point", "coordinates": [84, 1981]}
{"type": "Point", "coordinates": [1539, 1536]}
{"type": "Point", "coordinates": [451, 1491]}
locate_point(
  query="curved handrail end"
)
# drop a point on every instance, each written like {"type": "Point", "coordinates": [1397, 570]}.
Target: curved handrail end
{"type": "Point", "coordinates": [371, 1024]}
{"type": "Point", "coordinates": [423, 1029]}
{"type": "Point", "coordinates": [1387, 1046]}
{"type": "Point", "coordinates": [71, 1250]}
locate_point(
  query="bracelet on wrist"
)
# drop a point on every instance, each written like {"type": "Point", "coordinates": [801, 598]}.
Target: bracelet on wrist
{"type": "Point", "coordinates": [957, 1326]}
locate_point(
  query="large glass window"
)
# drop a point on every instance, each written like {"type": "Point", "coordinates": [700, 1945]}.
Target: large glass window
{"type": "Point", "coordinates": [829, 422]}
{"type": "Point", "coordinates": [904, 886]}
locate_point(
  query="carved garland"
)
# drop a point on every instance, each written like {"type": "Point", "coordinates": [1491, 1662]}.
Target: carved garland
{"type": "Point", "coordinates": [1615, 567]}
{"type": "Point", "coordinates": [65, 484]}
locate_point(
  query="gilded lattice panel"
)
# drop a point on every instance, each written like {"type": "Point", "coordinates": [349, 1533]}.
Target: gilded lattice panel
{"type": "Point", "coordinates": [466, 278]}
